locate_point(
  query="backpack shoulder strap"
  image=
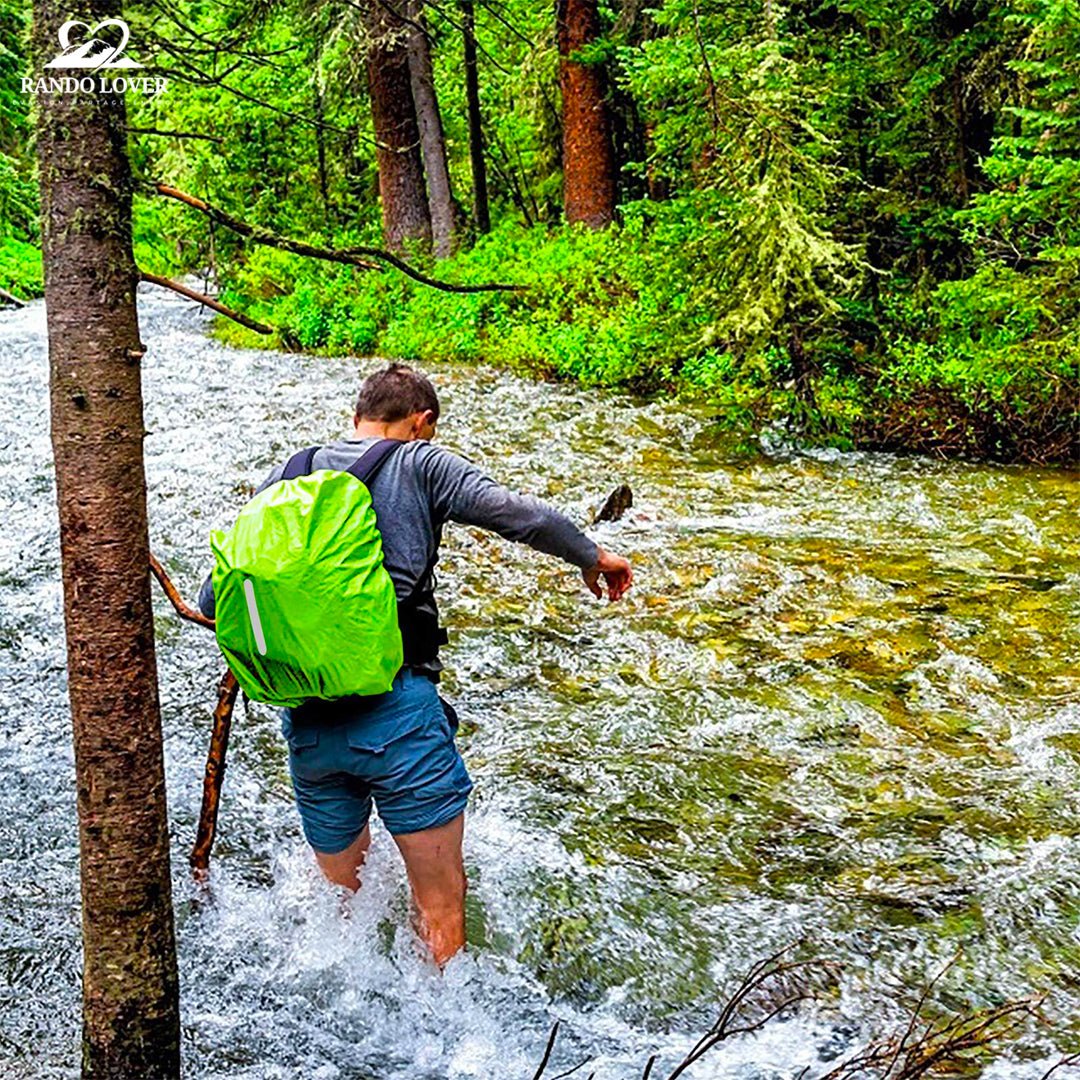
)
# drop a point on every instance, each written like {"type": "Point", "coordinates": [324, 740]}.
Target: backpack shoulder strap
{"type": "Point", "coordinates": [371, 460]}
{"type": "Point", "coordinates": [299, 464]}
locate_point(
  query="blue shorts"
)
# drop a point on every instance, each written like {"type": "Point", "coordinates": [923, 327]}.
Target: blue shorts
{"type": "Point", "coordinates": [396, 748]}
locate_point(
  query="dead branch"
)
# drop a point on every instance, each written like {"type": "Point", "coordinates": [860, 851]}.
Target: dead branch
{"type": "Point", "coordinates": [923, 1048]}
{"type": "Point", "coordinates": [770, 987]}
{"type": "Point", "coordinates": [1064, 1063]}
{"type": "Point", "coordinates": [212, 778]}
{"type": "Point", "coordinates": [183, 609]}
{"type": "Point", "coordinates": [8, 298]}
{"type": "Point", "coordinates": [357, 256]}
{"type": "Point", "coordinates": [547, 1051]}
{"type": "Point", "coordinates": [209, 301]}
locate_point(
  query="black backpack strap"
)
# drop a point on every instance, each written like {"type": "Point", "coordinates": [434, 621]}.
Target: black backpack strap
{"type": "Point", "coordinates": [371, 460]}
{"type": "Point", "coordinates": [299, 464]}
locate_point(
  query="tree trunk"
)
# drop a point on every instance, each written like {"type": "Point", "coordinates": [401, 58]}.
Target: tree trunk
{"type": "Point", "coordinates": [432, 139]}
{"type": "Point", "coordinates": [320, 145]}
{"type": "Point", "coordinates": [130, 994]}
{"type": "Point", "coordinates": [405, 213]}
{"type": "Point", "coordinates": [476, 127]}
{"type": "Point", "coordinates": [588, 155]}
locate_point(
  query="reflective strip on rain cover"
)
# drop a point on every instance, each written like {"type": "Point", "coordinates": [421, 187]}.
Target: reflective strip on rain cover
{"type": "Point", "coordinates": [305, 608]}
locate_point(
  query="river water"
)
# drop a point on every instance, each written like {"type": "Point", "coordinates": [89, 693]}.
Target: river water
{"type": "Point", "coordinates": [842, 704]}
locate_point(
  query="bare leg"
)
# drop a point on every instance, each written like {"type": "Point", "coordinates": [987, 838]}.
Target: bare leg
{"type": "Point", "coordinates": [437, 875]}
{"type": "Point", "coordinates": [342, 868]}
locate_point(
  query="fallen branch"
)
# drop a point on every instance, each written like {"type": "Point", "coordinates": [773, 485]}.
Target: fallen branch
{"type": "Point", "coordinates": [209, 301]}
{"type": "Point", "coordinates": [8, 298]}
{"type": "Point", "coordinates": [924, 1048]}
{"type": "Point", "coordinates": [212, 778]}
{"type": "Point", "coordinates": [183, 609]}
{"type": "Point", "coordinates": [356, 256]}
{"type": "Point", "coordinates": [768, 989]}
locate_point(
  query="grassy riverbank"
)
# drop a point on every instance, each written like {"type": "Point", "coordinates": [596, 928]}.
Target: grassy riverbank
{"type": "Point", "coordinates": [988, 367]}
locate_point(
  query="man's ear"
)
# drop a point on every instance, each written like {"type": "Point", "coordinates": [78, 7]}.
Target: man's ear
{"type": "Point", "coordinates": [422, 420]}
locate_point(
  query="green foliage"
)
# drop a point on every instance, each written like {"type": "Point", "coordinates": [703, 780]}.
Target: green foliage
{"type": "Point", "coordinates": [856, 219]}
{"type": "Point", "coordinates": [20, 267]}
{"type": "Point", "coordinates": [18, 184]}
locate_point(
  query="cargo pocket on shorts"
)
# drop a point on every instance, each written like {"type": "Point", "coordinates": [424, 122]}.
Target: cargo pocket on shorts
{"type": "Point", "coordinates": [373, 735]}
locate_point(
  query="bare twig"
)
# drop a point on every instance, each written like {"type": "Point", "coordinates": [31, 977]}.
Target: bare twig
{"type": "Point", "coordinates": [8, 298]}
{"type": "Point", "coordinates": [209, 301]}
{"type": "Point", "coordinates": [947, 1045]}
{"type": "Point", "coordinates": [547, 1052]}
{"type": "Point", "coordinates": [1064, 1063]}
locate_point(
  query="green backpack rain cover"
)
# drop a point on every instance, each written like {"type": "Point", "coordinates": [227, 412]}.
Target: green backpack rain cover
{"type": "Point", "coordinates": [304, 606]}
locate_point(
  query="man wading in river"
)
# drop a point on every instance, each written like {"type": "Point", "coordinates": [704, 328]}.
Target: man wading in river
{"type": "Point", "coordinates": [395, 747]}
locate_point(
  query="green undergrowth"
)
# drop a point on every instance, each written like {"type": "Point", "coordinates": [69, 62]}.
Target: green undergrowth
{"type": "Point", "coordinates": [985, 367]}
{"type": "Point", "coordinates": [20, 268]}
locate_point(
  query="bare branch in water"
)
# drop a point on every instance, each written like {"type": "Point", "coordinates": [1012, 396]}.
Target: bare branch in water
{"type": "Point", "coordinates": [925, 1047]}
{"type": "Point", "coordinates": [1064, 1063]}
{"type": "Point", "coordinates": [547, 1052]}
{"type": "Point", "coordinates": [215, 773]}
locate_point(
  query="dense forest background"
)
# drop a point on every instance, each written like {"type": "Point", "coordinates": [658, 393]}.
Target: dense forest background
{"type": "Point", "coordinates": [858, 219]}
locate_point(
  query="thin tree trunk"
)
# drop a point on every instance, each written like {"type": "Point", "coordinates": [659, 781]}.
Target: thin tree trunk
{"type": "Point", "coordinates": [432, 138]}
{"type": "Point", "coordinates": [588, 155]}
{"type": "Point", "coordinates": [320, 150]}
{"type": "Point", "coordinates": [405, 213]}
{"type": "Point", "coordinates": [481, 210]}
{"type": "Point", "coordinates": [130, 993]}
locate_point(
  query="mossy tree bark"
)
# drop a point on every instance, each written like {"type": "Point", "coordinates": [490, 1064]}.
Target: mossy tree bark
{"type": "Point", "coordinates": [444, 212]}
{"type": "Point", "coordinates": [588, 153]}
{"type": "Point", "coordinates": [405, 213]}
{"type": "Point", "coordinates": [130, 993]}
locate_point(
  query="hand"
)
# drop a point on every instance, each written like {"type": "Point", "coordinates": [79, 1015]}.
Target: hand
{"type": "Point", "coordinates": [615, 571]}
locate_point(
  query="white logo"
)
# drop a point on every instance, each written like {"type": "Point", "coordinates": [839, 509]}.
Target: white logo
{"type": "Point", "coordinates": [91, 56]}
{"type": "Point", "coordinates": [92, 53]}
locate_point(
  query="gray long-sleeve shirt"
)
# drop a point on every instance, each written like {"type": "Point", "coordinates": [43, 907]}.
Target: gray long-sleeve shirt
{"type": "Point", "coordinates": [422, 486]}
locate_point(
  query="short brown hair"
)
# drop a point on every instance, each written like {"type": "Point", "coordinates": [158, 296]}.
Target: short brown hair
{"type": "Point", "coordinates": [394, 393]}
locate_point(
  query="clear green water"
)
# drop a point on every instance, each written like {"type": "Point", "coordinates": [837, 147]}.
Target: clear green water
{"type": "Point", "coordinates": [842, 704]}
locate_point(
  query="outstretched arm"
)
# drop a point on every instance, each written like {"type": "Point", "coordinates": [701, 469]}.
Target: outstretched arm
{"type": "Point", "coordinates": [461, 492]}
